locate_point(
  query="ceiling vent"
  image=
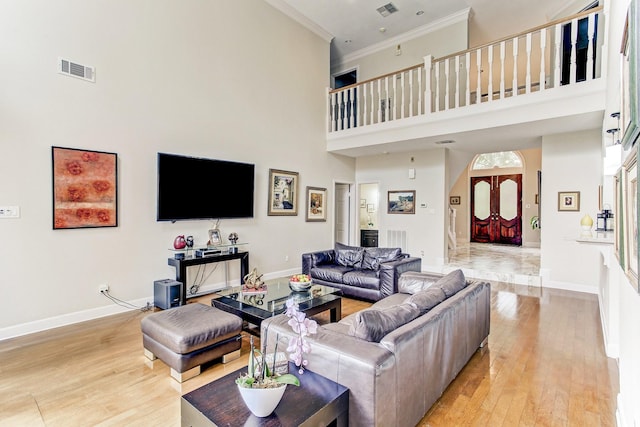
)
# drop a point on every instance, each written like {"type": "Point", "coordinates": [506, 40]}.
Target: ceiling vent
{"type": "Point", "coordinates": [69, 68]}
{"type": "Point", "coordinates": [444, 142]}
{"type": "Point", "coordinates": [387, 9]}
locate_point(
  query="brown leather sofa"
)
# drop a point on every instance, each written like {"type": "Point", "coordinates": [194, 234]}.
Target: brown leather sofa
{"type": "Point", "coordinates": [365, 273]}
{"type": "Point", "coordinates": [395, 361]}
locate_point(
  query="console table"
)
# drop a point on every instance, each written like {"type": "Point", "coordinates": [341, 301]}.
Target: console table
{"type": "Point", "coordinates": [182, 264]}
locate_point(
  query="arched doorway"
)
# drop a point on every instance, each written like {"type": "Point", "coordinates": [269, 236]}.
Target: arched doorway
{"type": "Point", "coordinates": [496, 198]}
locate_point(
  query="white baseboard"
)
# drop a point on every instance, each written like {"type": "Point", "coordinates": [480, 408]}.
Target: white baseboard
{"type": "Point", "coordinates": [108, 310]}
{"type": "Point", "coordinates": [68, 319]}
{"type": "Point", "coordinates": [567, 286]}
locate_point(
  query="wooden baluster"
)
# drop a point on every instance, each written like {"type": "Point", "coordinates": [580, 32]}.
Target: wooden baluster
{"type": "Point", "coordinates": [479, 82]}
{"type": "Point", "coordinates": [543, 65]}
{"type": "Point", "coordinates": [467, 94]}
{"type": "Point", "coordinates": [574, 49]}
{"type": "Point", "coordinates": [502, 55]}
{"type": "Point", "coordinates": [334, 112]}
{"type": "Point", "coordinates": [410, 112]}
{"type": "Point", "coordinates": [528, 77]}
{"type": "Point", "coordinates": [373, 110]}
{"type": "Point", "coordinates": [447, 103]}
{"type": "Point", "coordinates": [490, 86]}
{"type": "Point", "coordinates": [514, 84]}
{"type": "Point", "coordinates": [379, 103]}
{"type": "Point", "coordinates": [457, 74]}
{"type": "Point", "coordinates": [387, 100]}
{"type": "Point", "coordinates": [352, 104]}
{"type": "Point", "coordinates": [428, 66]}
{"type": "Point", "coordinates": [395, 112]}
{"type": "Point", "coordinates": [363, 108]}
{"type": "Point", "coordinates": [557, 56]}
{"type": "Point", "coordinates": [419, 76]}
{"type": "Point", "coordinates": [437, 79]}
{"type": "Point", "coordinates": [590, 38]}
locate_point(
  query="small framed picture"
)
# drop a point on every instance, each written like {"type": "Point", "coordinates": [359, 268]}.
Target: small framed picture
{"type": "Point", "coordinates": [283, 192]}
{"type": "Point", "coordinates": [214, 237]}
{"type": "Point", "coordinates": [316, 204]}
{"type": "Point", "coordinates": [401, 202]}
{"type": "Point", "coordinates": [454, 200]}
{"type": "Point", "coordinates": [569, 201]}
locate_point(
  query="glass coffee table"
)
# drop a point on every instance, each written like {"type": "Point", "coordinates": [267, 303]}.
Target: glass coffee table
{"type": "Point", "coordinates": [255, 307]}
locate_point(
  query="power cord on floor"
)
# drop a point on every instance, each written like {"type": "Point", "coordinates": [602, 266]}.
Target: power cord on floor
{"type": "Point", "coordinates": [126, 304]}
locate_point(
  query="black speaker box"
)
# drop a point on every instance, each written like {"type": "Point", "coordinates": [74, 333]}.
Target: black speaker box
{"type": "Point", "coordinates": [167, 293]}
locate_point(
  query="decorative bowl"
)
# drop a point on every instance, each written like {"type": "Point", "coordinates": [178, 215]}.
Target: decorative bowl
{"type": "Point", "coordinates": [300, 286]}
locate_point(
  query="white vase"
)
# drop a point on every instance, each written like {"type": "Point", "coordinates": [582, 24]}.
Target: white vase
{"type": "Point", "coordinates": [262, 401]}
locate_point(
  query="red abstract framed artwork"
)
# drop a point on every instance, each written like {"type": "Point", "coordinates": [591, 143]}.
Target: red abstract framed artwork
{"type": "Point", "coordinates": [85, 188]}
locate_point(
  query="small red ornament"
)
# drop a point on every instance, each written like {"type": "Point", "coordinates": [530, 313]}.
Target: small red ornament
{"type": "Point", "coordinates": [179, 242]}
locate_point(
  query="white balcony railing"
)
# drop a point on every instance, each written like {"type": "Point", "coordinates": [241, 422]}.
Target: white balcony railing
{"type": "Point", "coordinates": [560, 53]}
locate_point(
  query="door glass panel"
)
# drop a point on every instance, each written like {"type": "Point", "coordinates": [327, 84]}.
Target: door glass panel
{"type": "Point", "coordinates": [482, 192]}
{"type": "Point", "coordinates": [508, 199]}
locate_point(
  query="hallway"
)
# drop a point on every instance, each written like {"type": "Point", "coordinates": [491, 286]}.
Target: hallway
{"type": "Point", "coordinates": [504, 263]}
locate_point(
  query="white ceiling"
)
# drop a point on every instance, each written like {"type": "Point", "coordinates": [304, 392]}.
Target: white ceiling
{"type": "Point", "coordinates": [359, 22]}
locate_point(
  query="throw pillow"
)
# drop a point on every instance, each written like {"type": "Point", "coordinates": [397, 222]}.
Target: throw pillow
{"type": "Point", "coordinates": [452, 283]}
{"type": "Point", "coordinates": [372, 324]}
{"type": "Point", "coordinates": [426, 299]}
{"type": "Point", "coordinates": [348, 256]}
{"type": "Point", "coordinates": [374, 256]}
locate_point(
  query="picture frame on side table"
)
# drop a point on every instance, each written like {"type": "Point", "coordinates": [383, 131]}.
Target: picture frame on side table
{"type": "Point", "coordinates": [215, 237]}
{"type": "Point", "coordinates": [283, 192]}
{"type": "Point", "coordinates": [568, 201]}
{"type": "Point", "coordinates": [85, 188]}
{"type": "Point", "coordinates": [401, 202]}
{"type": "Point", "coordinates": [316, 204]}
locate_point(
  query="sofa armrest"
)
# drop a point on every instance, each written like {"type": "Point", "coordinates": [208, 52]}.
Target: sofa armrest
{"type": "Point", "coordinates": [313, 259]}
{"type": "Point", "coordinates": [390, 272]}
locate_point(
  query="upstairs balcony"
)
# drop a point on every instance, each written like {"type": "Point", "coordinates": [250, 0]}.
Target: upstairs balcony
{"type": "Point", "coordinates": [546, 80]}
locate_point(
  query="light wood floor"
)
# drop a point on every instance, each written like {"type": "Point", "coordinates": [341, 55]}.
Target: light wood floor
{"type": "Point", "coordinates": [544, 365]}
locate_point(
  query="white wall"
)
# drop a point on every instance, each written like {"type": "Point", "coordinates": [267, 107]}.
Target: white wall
{"type": "Point", "coordinates": [570, 162]}
{"type": "Point", "coordinates": [425, 229]}
{"type": "Point", "coordinates": [440, 42]}
{"type": "Point", "coordinates": [229, 80]}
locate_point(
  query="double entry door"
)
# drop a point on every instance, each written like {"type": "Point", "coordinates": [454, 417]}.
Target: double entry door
{"type": "Point", "coordinates": [496, 209]}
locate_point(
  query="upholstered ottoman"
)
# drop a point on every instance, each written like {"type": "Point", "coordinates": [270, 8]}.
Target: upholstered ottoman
{"type": "Point", "coordinates": [185, 337]}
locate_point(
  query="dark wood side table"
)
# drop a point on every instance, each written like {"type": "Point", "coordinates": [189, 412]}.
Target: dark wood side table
{"type": "Point", "coordinates": [317, 402]}
{"type": "Point", "coordinates": [182, 264]}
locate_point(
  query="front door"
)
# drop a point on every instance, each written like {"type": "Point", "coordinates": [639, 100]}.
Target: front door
{"type": "Point", "coordinates": [496, 209]}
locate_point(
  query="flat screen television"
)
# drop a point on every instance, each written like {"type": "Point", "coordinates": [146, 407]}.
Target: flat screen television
{"type": "Point", "coordinates": [197, 188]}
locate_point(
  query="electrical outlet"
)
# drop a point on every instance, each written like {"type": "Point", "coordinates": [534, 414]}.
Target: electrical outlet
{"type": "Point", "coordinates": [286, 258]}
{"type": "Point", "coordinates": [9, 211]}
{"type": "Point", "coordinates": [103, 288]}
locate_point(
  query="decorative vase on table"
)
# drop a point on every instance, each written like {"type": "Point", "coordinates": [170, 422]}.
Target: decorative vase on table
{"type": "Point", "coordinates": [262, 401]}
{"type": "Point", "coordinates": [179, 242]}
{"type": "Point", "coordinates": [586, 222]}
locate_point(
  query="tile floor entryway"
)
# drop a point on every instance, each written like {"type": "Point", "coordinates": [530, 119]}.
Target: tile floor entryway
{"type": "Point", "coordinates": [505, 263]}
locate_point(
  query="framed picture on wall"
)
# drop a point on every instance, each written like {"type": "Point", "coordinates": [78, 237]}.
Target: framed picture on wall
{"type": "Point", "coordinates": [630, 222]}
{"type": "Point", "coordinates": [316, 204]}
{"type": "Point", "coordinates": [85, 188]}
{"type": "Point", "coordinates": [401, 202]}
{"type": "Point", "coordinates": [283, 192]}
{"type": "Point", "coordinates": [568, 201]}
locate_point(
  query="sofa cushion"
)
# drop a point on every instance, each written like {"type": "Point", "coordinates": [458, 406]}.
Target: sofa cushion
{"type": "Point", "coordinates": [349, 256]}
{"type": "Point", "coordinates": [452, 283]}
{"type": "Point", "coordinates": [374, 256]}
{"type": "Point", "coordinates": [426, 299]}
{"type": "Point", "coordinates": [330, 273]}
{"type": "Point", "coordinates": [372, 325]}
{"type": "Point", "coordinates": [411, 282]}
{"type": "Point", "coordinates": [362, 278]}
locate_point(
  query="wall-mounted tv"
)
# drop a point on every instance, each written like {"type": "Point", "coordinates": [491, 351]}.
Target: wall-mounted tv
{"type": "Point", "coordinates": [197, 188]}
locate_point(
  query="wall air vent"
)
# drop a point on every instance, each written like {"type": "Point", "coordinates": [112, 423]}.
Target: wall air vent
{"type": "Point", "coordinates": [69, 68]}
{"type": "Point", "coordinates": [387, 9]}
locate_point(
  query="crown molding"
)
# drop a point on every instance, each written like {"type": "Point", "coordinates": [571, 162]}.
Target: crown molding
{"type": "Point", "coordinates": [454, 18]}
{"type": "Point", "coordinates": [292, 13]}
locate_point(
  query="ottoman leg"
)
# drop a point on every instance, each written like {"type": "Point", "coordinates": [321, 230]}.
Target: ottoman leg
{"type": "Point", "coordinates": [182, 377]}
{"type": "Point", "coordinates": [231, 356]}
{"type": "Point", "coordinates": [149, 355]}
